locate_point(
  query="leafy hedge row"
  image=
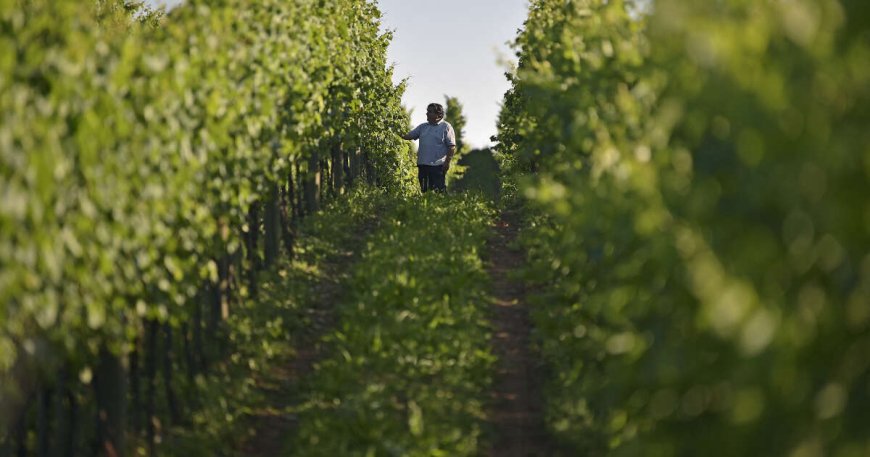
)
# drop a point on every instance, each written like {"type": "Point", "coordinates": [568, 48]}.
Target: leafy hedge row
{"type": "Point", "coordinates": [135, 156]}
{"type": "Point", "coordinates": [409, 361]}
{"type": "Point", "coordinates": [699, 171]}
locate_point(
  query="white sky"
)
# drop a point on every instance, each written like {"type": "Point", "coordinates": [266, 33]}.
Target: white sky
{"type": "Point", "coordinates": [168, 3]}
{"type": "Point", "coordinates": [453, 47]}
{"type": "Point", "coordinates": [457, 48]}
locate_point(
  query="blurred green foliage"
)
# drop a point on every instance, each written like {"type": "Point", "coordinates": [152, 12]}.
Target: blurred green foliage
{"type": "Point", "coordinates": [456, 117]}
{"type": "Point", "coordinates": [481, 174]}
{"type": "Point", "coordinates": [698, 175]}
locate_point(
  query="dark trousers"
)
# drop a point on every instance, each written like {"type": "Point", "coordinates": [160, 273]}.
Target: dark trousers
{"type": "Point", "coordinates": [431, 177]}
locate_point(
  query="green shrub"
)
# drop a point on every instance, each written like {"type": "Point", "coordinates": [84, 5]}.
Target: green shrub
{"type": "Point", "coordinates": [699, 170]}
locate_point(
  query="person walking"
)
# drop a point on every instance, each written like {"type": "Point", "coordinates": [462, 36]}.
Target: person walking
{"type": "Point", "coordinates": [436, 149]}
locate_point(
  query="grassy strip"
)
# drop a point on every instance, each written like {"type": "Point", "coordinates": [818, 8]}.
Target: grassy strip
{"type": "Point", "coordinates": [410, 361]}
{"type": "Point", "coordinates": [262, 332]}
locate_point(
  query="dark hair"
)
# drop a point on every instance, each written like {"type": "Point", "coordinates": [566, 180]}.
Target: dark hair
{"type": "Point", "coordinates": [437, 108]}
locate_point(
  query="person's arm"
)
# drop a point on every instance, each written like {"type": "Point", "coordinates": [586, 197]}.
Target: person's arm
{"type": "Point", "coordinates": [413, 134]}
{"type": "Point", "coordinates": [451, 147]}
{"type": "Point", "coordinates": [450, 153]}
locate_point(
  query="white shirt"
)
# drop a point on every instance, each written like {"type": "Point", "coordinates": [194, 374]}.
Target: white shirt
{"type": "Point", "coordinates": [435, 141]}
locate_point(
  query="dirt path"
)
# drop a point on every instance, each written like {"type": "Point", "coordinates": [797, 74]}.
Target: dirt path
{"type": "Point", "coordinates": [516, 408]}
{"type": "Point", "coordinates": [274, 424]}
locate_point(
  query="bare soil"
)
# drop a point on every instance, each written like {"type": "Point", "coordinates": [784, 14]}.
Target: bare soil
{"type": "Point", "coordinates": [515, 413]}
